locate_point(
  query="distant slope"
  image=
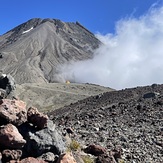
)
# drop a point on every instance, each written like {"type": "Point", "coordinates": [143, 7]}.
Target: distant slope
{"type": "Point", "coordinates": [33, 51]}
{"type": "Point", "coordinates": [51, 96]}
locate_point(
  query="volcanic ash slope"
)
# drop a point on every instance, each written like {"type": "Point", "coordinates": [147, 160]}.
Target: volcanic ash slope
{"type": "Point", "coordinates": [33, 51]}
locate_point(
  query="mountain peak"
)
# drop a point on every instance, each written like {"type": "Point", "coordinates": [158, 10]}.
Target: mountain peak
{"type": "Point", "coordinates": [34, 50]}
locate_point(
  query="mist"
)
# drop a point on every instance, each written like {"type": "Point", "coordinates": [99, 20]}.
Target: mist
{"type": "Point", "coordinates": [132, 56]}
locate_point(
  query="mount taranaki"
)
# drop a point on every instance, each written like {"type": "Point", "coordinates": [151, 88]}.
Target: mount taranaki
{"type": "Point", "coordinates": [33, 51]}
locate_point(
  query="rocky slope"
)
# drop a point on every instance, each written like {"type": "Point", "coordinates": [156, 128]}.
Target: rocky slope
{"type": "Point", "coordinates": [130, 120]}
{"type": "Point", "coordinates": [33, 51]}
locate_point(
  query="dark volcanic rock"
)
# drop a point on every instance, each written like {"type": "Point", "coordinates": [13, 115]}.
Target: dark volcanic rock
{"type": "Point", "coordinates": [43, 141]}
{"type": "Point", "coordinates": [36, 118]}
{"type": "Point", "coordinates": [7, 83]}
{"type": "Point", "coordinates": [3, 81]}
{"type": "Point", "coordinates": [150, 95]}
{"type": "Point", "coordinates": [105, 159]}
{"type": "Point", "coordinates": [95, 150]}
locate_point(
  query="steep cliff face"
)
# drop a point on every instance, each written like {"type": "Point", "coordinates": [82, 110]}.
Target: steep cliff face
{"type": "Point", "coordinates": [33, 51]}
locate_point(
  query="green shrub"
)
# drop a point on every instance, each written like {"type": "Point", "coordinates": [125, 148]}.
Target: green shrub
{"type": "Point", "coordinates": [87, 159]}
{"type": "Point", "coordinates": [74, 145]}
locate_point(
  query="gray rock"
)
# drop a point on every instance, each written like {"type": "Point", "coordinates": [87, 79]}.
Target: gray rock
{"type": "Point", "coordinates": [7, 83]}
{"type": "Point", "coordinates": [151, 95]}
{"type": "Point", "coordinates": [10, 85]}
{"type": "Point", "coordinates": [45, 140]}
{"type": "Point", "coordinates": [2, 93]}
{"type": "Point", "coordinates": [49, 157]}
{"type": "Point", "coordinates": [8, 155]}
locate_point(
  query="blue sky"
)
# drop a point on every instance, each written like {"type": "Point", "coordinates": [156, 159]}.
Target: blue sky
{"type": "Point", "coordinates": [95, 15]}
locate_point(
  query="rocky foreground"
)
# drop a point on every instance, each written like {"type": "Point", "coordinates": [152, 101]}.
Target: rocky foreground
{"type": "Point", "coordinates": [27, 135]}
{"type": "Point", "coordinates": [128, 123]}
{"type": "Point", "coordinates": [115, 127]}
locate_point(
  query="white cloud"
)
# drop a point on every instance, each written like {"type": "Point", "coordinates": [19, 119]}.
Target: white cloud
{"type": "Point", "coordinates": [133, 56]}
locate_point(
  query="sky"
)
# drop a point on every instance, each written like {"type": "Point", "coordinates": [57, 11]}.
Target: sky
{"type": "Point", "coordinates": [95, 15]}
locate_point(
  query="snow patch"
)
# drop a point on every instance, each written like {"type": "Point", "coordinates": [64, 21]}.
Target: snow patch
{"type": "Point", "coordinates": [27, 30]}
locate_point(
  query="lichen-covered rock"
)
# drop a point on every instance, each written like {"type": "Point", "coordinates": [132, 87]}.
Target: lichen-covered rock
{"type": "Point", "coordinates": [36, 118]}
{"type": "Point", "coordinates": [13, 111]}
{"type": "Point", "coordinates": [49, 157]}
{"type": "Point", "coordinates": [11, 155]}
{"type": "Point", "coordinates": [10, 137]}
{"type": "Point", "coordinates": [66, 158]}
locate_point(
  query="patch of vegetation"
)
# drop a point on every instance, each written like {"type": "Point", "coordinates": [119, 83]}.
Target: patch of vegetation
{"type": "Point", "coordinates": [74, 145]}
{"type": "Point", "coordinates": [121, 161]}
{"type": "Point", "coordinates": [87, 159]}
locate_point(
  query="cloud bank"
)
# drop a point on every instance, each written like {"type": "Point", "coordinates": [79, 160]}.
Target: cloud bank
{"type": "Point", "coordinates": [131, 57]}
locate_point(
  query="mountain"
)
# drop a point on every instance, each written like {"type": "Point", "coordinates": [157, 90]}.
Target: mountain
{"type": "Point", "coordinates": [33, 51]}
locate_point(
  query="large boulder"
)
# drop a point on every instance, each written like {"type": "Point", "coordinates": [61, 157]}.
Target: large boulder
{"type": "Point", "coordinates": [36, 118]}
{"type": "Point", "coordinates": [7, 83]}
{"type": "Point", "coordinates": [13, 111]}
{"type": "Point", "coordinates": [43, 141]}
{"type": "Point", "coordinates": [10, 137]}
